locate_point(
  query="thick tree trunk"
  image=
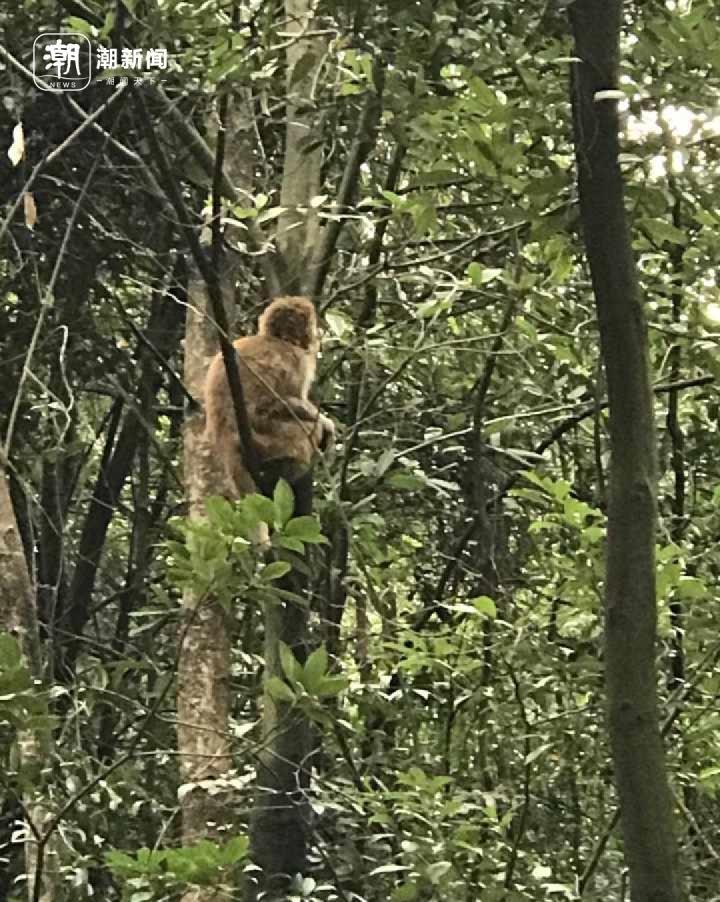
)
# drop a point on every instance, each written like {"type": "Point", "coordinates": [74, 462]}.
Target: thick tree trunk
{"type": "Point", "coordinates": [204, 699]}
{"type": "Point", "coordinates": [19, 618]}
{"type": "Point", "coordinates": [203, 692]}
{"type": "Point", "coordinates": [280, 825]}
{"type": "Point", "coordinates": [298, 227]}
{"type": "Point", "coordinates": [630, 609]}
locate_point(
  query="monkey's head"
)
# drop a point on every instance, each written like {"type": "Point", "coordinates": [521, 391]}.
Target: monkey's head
{"type": "Point", "coordinates": [291, 319]}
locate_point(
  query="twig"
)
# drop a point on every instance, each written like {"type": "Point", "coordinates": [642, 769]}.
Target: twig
{"type": "Point", "coordinates": [162, 361]}
{"type": "Point", "coordinates": [212, 283]}
{"type": "Point", "coordinates": [358, 153]}
{"type": "Point", "coordinates": [45, 304]}
{"type": "Point", "coordinates": [557, 433]}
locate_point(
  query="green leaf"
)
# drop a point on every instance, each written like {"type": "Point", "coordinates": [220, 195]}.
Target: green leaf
{"type": "Point", "coordinates": [482, 92]}
{"type": "Point", "coordinates": [82, 26]}
{"type": "Point", "coordinates": [538, 752]}
{"type": "Point", "coordinates": [270, 214]}
{"type": "Point", "coordinates": [219, 509]}
{"type": "Point", "coordinates": [291, 667]}
{"type": "Point", "coordinates": [406, 892]}
{"type": "Point", "coordinates": [668, 576]}
{"type": "Point", "coordinates": [388, 869]}
{"type": "Point", "coordinates": [431, 308]}
{"type": "Point", "coordinates": [280, 691]}
{"type": "Point", "coordinates": [240, 213]}
{"type": "Point", "coordinates": [406, 480]}
{"type": "Point", "coordinates": [661, 231]}
{"type": "Point", "coordinates": [593, 534]}
{"type": "Point", "coordinates": [226, 66]}
{"type": "Point", "coordinates": [235, 850]}
{"type": "Point", "coordinates": [331, 686]}
{"type": "Point", "coordinates": [485, 605]}
{"type": "Point", "coordinates": [315, 669]}
{"type": "Point", "coordinates": [481, 275]}
{"type": "Point", "coordinates": [689, 588]}
{"type": "Point", "coordinates": [307, 529]}
{"type": "Point", "coordinates": [10, 653]}
{"type": "Point", "coordinates": [284, 501]}
{"type": "Point", "coordinates": [710, 774]}
{"type": "Point", "coordinates": [275, 570]}
{"type": "Point", "coordinates": [108, 25]}
{"type": "Point", "coordinates": [437, 871]}
{"type": "Point", "coordinates": [260, 508]}
{"type": "Point", "coordinates": [290, 544]}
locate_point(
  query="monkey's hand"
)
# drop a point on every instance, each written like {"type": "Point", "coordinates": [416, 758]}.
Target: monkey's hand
{"type": "Point", "coordinates": [323, 427]}
{"type": "Point", "coordinates": [326, 431]}
{"type": "Point", "coordinates": [302, 409]}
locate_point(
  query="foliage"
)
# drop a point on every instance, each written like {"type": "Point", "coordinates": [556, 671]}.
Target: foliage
{"type": "Point", "coordinates": [459, 706]}
{"type": "Point", "coordinates": [221, 554]}
{"type": "Point", "coordinates": [306, 684]}
{"type": "Point", "coordinates": [156, 874]}
{"type": "Point", "coordinates": [22, 705]}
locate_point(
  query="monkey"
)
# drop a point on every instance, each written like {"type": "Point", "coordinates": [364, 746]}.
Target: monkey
{"type": "Point", "coordinates": [277, 368]}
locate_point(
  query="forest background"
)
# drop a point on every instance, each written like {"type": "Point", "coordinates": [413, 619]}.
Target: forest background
{"type": "Point", "coordinates": [409, 699]}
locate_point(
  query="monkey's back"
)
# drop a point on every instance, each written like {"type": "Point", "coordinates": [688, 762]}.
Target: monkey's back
{"type": "Point", "coordinates": [276, 375]}
{"type": "Point", "coordinates": [272, 369]}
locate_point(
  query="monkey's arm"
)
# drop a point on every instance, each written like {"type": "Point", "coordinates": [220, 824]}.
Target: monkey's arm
{"type": "Point", "coordinates": [323, 432]}
{"type": "Point", "coordinates": [303, 409]}
{"type": "Point", "coordinates": [298, 409]}
{"type": "Point", "coordinates": [306, 410]}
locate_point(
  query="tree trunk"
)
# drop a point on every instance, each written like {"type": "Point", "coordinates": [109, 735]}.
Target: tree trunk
{"type": "Point", "coordinates": [279, 827]}
{"type": "Point", "coordinates": [203, 691]}
{"type": "Point", "coordinates": [630, 608]}
{"type": "Point", "coordinates": [19, 618]}
{"type": "Point", "coordinates": [280, 824]}
{"type": "Point", "coordinates": [298, 227]}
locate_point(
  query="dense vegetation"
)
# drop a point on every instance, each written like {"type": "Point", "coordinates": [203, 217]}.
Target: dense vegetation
{"type": "Point", "coordinates": [453, 701]}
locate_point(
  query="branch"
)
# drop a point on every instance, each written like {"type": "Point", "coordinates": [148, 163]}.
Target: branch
{"type": "Point", "coordinates": [382, 221]}
{"type": "Point", "coordinates": [271, 259]}
{"type": "Point", "coordinates": [46, 302]}
{"type": "Point", "coordinates": [163, 362]}
{"type": "Point", "coordinates": [556, 434]}
{"type": "Point", "coordinates": [212, 283]}
{"type": "Point", "coordinates": [359, 150]}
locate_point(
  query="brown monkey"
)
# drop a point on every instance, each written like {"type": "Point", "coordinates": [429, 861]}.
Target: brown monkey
{"type": "Point", "coordinates": [277, 368]}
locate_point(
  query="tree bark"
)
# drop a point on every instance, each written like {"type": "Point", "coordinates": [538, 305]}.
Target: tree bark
{"type": "Point", "coordinates": [298, 227]}
{"type": "Point", "coordinates": [630, 606]}
{"type": "Point", "coordinates": [280, 824]}
{"type": "Point", "coordinates": [18, 617]}
{"type": "Point", "coordinates": [203, 691]}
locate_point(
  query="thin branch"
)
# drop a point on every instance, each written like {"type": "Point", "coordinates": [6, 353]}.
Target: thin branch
{"type": "Point", "coordinates": [214, 290]}
{"type": "Point", "coordinates": [359, 150]}
{"type": "Point", "coordinates": [527, 732]}
{"type": "Point", "coordinates": [675, 706]}
{"type": "Point", "coordinates": [163, 362]}
{"type": "Point", "coordinates": [271, 259]}
{"type": "Point", "coordinates": [557, 433]}
{"type": "Point", "coordinates": [46, 303]}
{"type": "Point", "coordinates": [382, 221]}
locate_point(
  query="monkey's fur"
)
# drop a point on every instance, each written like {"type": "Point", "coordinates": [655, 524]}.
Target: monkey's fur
{"type": "Point", "coordinates": [277, 368]}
